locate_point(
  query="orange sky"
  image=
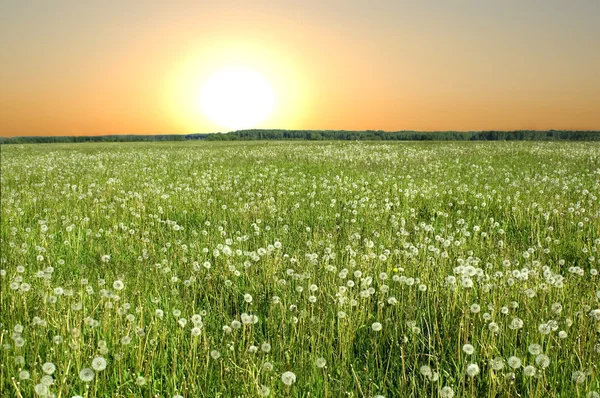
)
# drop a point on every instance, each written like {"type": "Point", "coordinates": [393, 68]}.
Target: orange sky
{"type": "Point", "coordinates": [70, 68]}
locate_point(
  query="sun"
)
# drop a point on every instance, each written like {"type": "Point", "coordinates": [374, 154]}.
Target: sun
{"type": "Point", "coordinates": [237, 98]}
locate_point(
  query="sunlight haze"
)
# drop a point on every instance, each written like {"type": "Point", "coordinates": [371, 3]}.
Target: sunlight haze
{"type": "Point", "coordinates": [83, 68]}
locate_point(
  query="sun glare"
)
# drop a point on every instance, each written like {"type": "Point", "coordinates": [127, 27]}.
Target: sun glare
{"type": "Point", "coordinates": [237, 98]}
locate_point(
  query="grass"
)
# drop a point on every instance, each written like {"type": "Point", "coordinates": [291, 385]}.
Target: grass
{"type": "Point", "coordinates": [177, 262]}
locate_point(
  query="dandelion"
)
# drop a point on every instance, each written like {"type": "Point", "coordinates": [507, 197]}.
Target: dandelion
{"type": "Point", "coordinates": [47, 380]}
{"type": "Point", "coordinates": [544, 328]}
{"type": "Point", "coordinates": [118, 285]}
{"type": "Point", "coordinates": [196, 331]}
{"type": "Point", "coordinates": [514, 362]}
{"type": "Point", "coordinates": [468, 349]}
{"type": "Point", "coordinates": [535, 349]}
{"type": "Point", "coordinates": [320, 362]}
{"type": "Point", "coordinates": [447, 392]}
{"type": "Point", "coordinates": [99, 364]}
{"type": "Point", "coordinates": [376, 326]}
{"type": "Point", "coordinates": [247, 298]}
{"type": "Point", "coordinates": [48, 368]}
{"type": "Point", "coordinates": [472, 370]}
{"type": "Point", "coordinates": [41, 390]}
{"type": "Point", "coordinates": [493, 327]}
{"type": "Point", "coordinates": [267, 366]}
{"type": "Point", "coordinates": [86, 375]}
{"type": "Point", "coordinates": [264, 391]}
{"type": "Point", "coordinates": [578, 376]}
{"type": "Point", "coordinates": [426, 371]}
{"type": "Point", "coordinates": [265, 347]}
{"type": "Point", "coordinates": [288, 378]}
{"type": "Point", "coordinates": [497, 363]}
{"type": "Point", "coordinates": [215, 354]}
{"type": "Point", "coordinates": [140, 381]}
{"type": "Point", "coordinates": [24, 375]}
{"type": "Point", "coordinates": [196, 319]}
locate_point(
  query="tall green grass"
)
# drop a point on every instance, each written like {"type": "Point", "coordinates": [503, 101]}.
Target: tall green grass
{"type": "Point", "coordinates": [365, 269]}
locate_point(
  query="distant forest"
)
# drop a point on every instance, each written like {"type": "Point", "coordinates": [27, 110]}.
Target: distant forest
{"type": "Point", "coordinates": [320, 135]}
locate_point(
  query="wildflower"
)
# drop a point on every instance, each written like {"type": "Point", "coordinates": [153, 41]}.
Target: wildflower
{"type": "Point", "coordinates": [320, 362]}
{"type": "Point", "coordinates": [264, 391]}
{"type": "Point", "coordinates": [497, 363]}
{"type": "Point", "coordinates": [472, 370]}
{"type": "Point", "coordinates": [376, 326]}
{"type": "Point", "coordinates": [48, 368]}
{"type": "Point", "coordinates": [468, 349]}
{"type": "Point", "coordinates": [140, 381]}
{"type": "Point", "coordinates": [99, 364]}
{"type": "Point", "coordinates": [288, 378]}
{"type": "Point", "coordinates": [268, 366]}
{"type": "Point", "coordinates": [41, 390]}
{"type": "Point", "coordinates": [514, 362]}
{"type": "Point", "coordinates": [86, 375]}
{"type": "Point", "coordinates": [47, 380]}
{"type": "Point", "coordinates": [426, 371]}
{"type": "Point", "coordinates": [535, 349]}
{"type": "Point", "coordinates": [215, 354]}
{"type": "Point", "coordinates": [446, 392]}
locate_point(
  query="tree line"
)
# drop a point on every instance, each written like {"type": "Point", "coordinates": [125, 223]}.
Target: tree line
{"type": "Point", "coordinates": [330, 135]}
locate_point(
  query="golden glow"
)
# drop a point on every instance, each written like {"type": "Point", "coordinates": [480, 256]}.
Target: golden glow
{"type": "Point", "coordinates": [232, 86]}
{"type": "Point", "coordinates": [330, 65]}
{"type": "Point", "coordinates": [237, 98]}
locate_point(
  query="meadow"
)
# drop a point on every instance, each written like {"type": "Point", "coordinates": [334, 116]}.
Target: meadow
{"type": "Point", "coordinates": [346, 269]}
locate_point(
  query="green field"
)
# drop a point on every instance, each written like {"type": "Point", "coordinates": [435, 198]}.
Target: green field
{"type": "Point", "coordinates": [365, 269]}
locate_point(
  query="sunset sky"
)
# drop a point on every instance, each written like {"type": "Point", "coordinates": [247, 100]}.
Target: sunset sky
{"type": "Point", "coordinates": [146, 67]}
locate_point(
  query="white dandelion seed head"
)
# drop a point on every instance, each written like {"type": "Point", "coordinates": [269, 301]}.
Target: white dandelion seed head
{"type": "Point", "coordinates": [468, 349]}
{"type": "Point", "coordinates": [472, 370]}
{"type": "Point", "coordinates": [320, 362]}
{"type": "Point", "coordinates": [514, 362]}
{"type": "Point", "coordinates": [86, 375]}
{"type": "Point", "coordinates": [447, 392]}
{"type": "Point", "coordinates": [99, 364]}
{"type": "Point", "coordinates": [48, 368]}
{"type": "Point", "coordinates": [288, 378]}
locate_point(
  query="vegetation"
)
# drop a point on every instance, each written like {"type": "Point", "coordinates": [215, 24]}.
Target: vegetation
{"type": "Point", "coordinates": [202, 269]}
{"type": "Point", "coordinates": [318, 135]}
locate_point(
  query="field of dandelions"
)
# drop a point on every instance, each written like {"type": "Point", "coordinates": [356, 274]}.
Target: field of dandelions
{"type": "Point", "coordinates": [300, 269]}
